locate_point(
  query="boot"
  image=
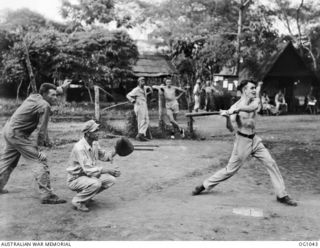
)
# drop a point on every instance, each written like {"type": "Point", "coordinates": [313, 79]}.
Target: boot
{"type": "Point", "coordinates": [79, 206]}
{"type": "Point", "coordinates": [287, 200]}
{"type": "Point", "coordinates": [52, 199]}
{"type": "Point", "coordinates": [198, 190]}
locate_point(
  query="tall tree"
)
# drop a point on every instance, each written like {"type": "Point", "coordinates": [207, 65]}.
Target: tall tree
{"type": "Point", "coordinates": [301, 20]}
{"type": "Point", "coordinates": [21, 22]}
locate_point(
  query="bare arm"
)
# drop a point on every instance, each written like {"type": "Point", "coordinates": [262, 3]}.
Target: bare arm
{"type": "Point", "coordinates": [180, 89]}
{"type": "Point", "coordinates": [66, 83]}
{"type": "Point", "coordinates": [230, 120]}
{"type": "Point", "coordinates": [231, 123]}
{"type": "Point", "coordinates": [251, 107]}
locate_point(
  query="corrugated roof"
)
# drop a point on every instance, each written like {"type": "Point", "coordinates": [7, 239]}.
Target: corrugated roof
{"type": "Point", "coordinates": [153, 66]}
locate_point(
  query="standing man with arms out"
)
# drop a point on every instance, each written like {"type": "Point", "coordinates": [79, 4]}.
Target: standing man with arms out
{"type": "Point", "coordinates": [242, 116]}
{"type": "Point", "coordinates": [172, 105]}
{"type": "Point", "coordinates": [33, 114]}
{"type": "Point", "coordinates": [196, 94]}
{"type": "Point", "coordinates": [138, 97]}
{"type": "Point", "coordinates": [85, 176]}
{"type": "Point", "coordinates": [209, 101]}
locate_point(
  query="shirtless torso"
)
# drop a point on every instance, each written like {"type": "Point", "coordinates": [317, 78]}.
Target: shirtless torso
{"type": "Point", "coordinates": [242, 114]}
{"type": "Point", "coordinates": [169, 93]}
{"type": "Point", "coordinates": [245, 121]}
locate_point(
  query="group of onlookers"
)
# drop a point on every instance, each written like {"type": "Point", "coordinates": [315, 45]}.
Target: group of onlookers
{"type": "Point", "coordinates": [280, 105]}
{"type": "Point", "coordinates": [206, 94]}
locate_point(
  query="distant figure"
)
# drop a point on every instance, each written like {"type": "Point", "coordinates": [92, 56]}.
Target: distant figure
{"type": "Point", "coordinates": [196, 94]}
{"type": "Point", "coordinates": [311, 102]}
{"type": "Point", "coordinates": [266, 106]}
{"type": "Point", "coordinates": [138, 96]}
{"type": "Point", "coordinates": [209, 100]}
{"type": "Point", "coordinates": [281, 105]}
{"type": "Point", "coordinates": [172, 105]}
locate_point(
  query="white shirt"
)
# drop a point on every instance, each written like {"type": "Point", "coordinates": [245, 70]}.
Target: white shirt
{"type": "Point", "coordinates": [138, 95]}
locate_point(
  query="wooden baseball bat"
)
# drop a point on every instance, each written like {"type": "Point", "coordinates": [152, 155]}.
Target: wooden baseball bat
{"type": "Point", "coordinates": [146, 145]}
{"type": "Point", "coordinates": [143, 149]}
{"type": "Point", "coordinates": [202, 114]}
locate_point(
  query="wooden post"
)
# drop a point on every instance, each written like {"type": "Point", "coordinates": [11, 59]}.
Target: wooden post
{"type": "Point", "coordinates": [96, 103]}
{"type": "Point", "coordinates": [161, 110]}
{"type": "Point", "coordinates": [190, 124]}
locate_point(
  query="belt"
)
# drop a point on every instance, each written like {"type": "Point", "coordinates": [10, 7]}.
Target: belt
{"type": "Point", "coordinates": [249, 136]}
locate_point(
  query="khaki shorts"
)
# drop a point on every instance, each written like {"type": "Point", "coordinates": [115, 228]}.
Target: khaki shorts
{"type": "Point", "coordinates": [173, 107]}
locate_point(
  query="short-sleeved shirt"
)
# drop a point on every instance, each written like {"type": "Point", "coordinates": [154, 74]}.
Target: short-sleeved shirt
{"type": "Point", "coordinates": [83, 160]}
{"type": "Point", "coordinates": [32, 112]}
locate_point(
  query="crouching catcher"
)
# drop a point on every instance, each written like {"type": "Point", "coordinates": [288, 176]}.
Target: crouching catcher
{"type": "Point", "coordinates": [85, 176]}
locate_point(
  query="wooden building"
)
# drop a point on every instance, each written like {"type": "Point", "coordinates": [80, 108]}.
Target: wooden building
{"type": "Point", "coordinates": [155, 68]}
{"type": "Point", "coordinates": [285, 70]}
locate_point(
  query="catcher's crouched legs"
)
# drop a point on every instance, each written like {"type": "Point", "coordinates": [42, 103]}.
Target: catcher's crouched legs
{"type": "Point", "coordinates": [106, 182]}
{"type": "Point", "coordinates": [86, 188]}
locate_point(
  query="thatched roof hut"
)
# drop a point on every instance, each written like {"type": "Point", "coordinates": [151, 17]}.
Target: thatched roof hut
{"type": "Point", "coordinates": [153, 67]}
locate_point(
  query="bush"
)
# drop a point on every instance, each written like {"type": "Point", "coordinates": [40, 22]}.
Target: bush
{"type": "Point", "coordinates": [8, 106]}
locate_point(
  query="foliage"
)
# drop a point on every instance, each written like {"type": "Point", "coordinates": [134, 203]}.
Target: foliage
{"type": "Point", "coordinates": [301, 20]}
{"type": "Point", "coordinates": [94, 56]}
{"type": "Point", "coordinates": [97, 56]}
{"type": "Point", "coordinates": [89, 12]}
{"type": "Point", "coordinates": [203, 35]}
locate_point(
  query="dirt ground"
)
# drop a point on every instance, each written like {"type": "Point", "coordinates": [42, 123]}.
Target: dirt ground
{"type": "Point", "coordinates": [152, 198]}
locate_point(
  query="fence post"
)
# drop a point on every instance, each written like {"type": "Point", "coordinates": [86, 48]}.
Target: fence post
{"type": "Point", "coordinates": [161, 111]}
{"type": "Point", "coordinates": [96, 103]}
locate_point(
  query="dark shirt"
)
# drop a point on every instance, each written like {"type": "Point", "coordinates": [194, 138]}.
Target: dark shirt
{"type": "Point", "coordinates": [33, 112]}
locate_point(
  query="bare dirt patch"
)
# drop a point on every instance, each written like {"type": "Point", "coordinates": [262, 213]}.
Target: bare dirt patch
{"type": "Point", "coordinates": [152, 198]}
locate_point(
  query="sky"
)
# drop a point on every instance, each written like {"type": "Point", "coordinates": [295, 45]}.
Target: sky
{"type": "Point", "coordinates": [48, 8]}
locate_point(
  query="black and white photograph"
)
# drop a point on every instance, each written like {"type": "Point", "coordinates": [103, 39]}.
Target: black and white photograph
{"type": "Point", "coordinates": [159, 120]}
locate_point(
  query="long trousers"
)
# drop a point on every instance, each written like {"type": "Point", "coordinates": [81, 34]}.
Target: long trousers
{"type": "Point", "coordinates": [196, 102]}
{"type": "Point", "coordinates": [17, 144]}
{"type": "Point", "coordinates": [141, 111]}
{"type": "Point", "coordinates": [242, 149]}
{"type": "Point", "coordinates": [87, 187]}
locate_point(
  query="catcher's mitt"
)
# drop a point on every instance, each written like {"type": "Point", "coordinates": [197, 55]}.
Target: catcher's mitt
{"type": "Point", "coordinates": [124, 147]}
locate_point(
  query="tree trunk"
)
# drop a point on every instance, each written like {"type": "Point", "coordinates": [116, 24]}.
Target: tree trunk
{"type": "Point", "coordinates": [29, 66]}
{"type": "Point", "coordinates": [90, 96]}
{"type": "Point", "coordinates": [298, 22]}
{"type": "Point", "coordinates": [96, 103]}
{"type": "Point", "coordinates": [314, 60]}
{"type": "Point", "coordinates": [18, 90]}
{"type": "Point", "coordinates": [162, 110]}
{"type": "Point", "coordinates": [238, 48]}
{"type": "Point", "coordinates": [243, 5]}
